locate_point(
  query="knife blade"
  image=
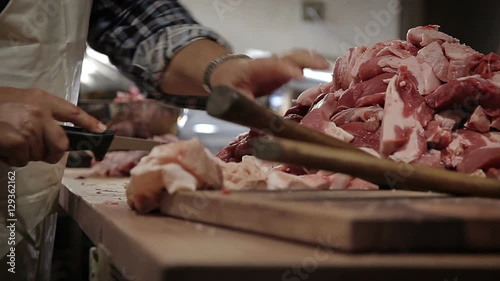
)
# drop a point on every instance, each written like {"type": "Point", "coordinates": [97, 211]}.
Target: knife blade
{"type": "Point", "coordinates": [100, 143]}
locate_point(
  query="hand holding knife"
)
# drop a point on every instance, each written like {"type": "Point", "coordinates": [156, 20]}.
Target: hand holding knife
{"type": "Point", "coordinates": [100, 143]}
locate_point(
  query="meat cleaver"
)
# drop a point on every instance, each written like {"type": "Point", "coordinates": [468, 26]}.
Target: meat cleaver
{"type": "Point", "coordinates": [100, 143]}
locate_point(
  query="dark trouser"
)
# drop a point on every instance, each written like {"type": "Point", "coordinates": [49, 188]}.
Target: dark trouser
{"type": "Point", "coordinates": [33, 255]}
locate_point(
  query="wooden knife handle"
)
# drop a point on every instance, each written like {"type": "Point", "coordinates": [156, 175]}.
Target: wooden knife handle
{"type": "Point", "coordinates": [81, 139]}
{"type": "Point", "coordinates": [227, 104]}
{"type": "Point", "coordinates": [379, 171]}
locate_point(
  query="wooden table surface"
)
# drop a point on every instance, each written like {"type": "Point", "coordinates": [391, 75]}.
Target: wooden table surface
{"type": "Point", "coordinates": [155, 247]}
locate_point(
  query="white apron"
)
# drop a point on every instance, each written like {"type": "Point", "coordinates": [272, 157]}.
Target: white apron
{"type": "Point", "coordinates": [42, 43]}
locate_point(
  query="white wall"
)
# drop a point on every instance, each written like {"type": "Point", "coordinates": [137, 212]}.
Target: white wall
{"type": "Point", "coordinates": [277, 25]}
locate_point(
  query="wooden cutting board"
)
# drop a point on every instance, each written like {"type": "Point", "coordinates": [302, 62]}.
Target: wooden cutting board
{"type": "Point", "coordinates": [354, 221]}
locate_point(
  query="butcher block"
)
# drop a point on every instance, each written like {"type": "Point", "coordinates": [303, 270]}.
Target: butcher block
{"type": "Point", "coordinates": [158, 248]}
{"type": "Point", "coordinates": [354, 221]}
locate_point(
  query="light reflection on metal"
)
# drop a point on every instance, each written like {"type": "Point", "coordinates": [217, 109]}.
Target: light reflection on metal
{"type": "Point", "coordinates": [205, 129]}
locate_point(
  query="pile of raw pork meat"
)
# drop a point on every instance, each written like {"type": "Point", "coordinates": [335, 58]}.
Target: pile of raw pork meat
{"type": "Point", "coordinates": [428, 100]}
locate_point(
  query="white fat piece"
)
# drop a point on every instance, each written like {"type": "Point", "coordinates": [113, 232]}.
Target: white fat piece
{"type": "Point", "coordinates": [278, 180]}
{"type": "Point", "coordinates": [393, 118]}
{"type": "Point", "coordinates": [175, 179]}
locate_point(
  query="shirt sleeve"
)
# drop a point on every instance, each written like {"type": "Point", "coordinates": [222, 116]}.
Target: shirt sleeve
{"type": "Point", "coordinates": [140, 37]}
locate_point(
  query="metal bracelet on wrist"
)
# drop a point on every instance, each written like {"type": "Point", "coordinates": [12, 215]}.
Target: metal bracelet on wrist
{"type": "Point", "coordinates": [211, 67]}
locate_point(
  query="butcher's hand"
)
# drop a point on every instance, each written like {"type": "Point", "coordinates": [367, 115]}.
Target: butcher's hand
{"type": "Point", "coordinates": [258, 77]}
{"type": "Point", "coordinates": [30, 131]}
{"type": "Point", "coordinates": [255, 77]}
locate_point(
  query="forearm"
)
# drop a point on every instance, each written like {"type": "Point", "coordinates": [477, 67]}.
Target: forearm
{"type": "Point", "coordinates": [142, 37]}
{"type": "Point", "coordinates": [184, 75]}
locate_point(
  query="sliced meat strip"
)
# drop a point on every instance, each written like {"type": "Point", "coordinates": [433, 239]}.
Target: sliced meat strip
{"type": "Point", "coordinates": [439, 131]}
{"type": "Point", "coordinates": [339, 71]}
{"type": "Point", "coordinates": [432, 158]}
{"type": "Point", "coordinates": [405, 115]}
{"type": "Point", "coordinates": [117, 163]}
{"type": "Point", "coordinates": [481, 158]}
{"type": "Point", "coordinates": [375, 99]}
{"type": "Point", "coordinates": [361, 92]}
{"type": "Point", "coordinates": [463, 145]}
{"type": "Point", "coordinates": [343, 68]}
{"type": "Point", "coordinates": [370, 53]}
{"type": "Point", "coordinates": [278, 180]}
{"type": "Point", "coordinates": [359, 184]}
{"type": "Point", "coordinates": [427, 81]}
{"type": "Point", "coordinates": [465, 95]}
{"type": "Point", "coordinates": [433, 54]}
{"type": "Point", "coordinates": [424, 35]}
{"type": "Point", "coordinates": [393, 47]}
{"type": "Point", "coordinates": [372, 68]}
{"type": "Point", "coordinates": [366, 134]}
{"type": "Point", "coordinates": [306, 98]}
{"type": "Point", "coordinates": [478, 121]}
{"type": "Point", "coordinates": [338, 181]}
{"type": "Point", "coordinates": [300, 110]}
{"type": "Point", "coordinates": [309, 96]}
{"type": "Point", "coordinates": [364, 114]}
{"type": "Point", "coordinates": [319, 118]}
{"type": "Point", "coordinates": [399, 48]}
{"type": "Point", "coordinates": [436, 136]}
{"type": "Point", "coordinates": [488, 65]}
{"type": "Point", "coordinates": [463, 60]}
{"type": "Point", "coordinates": [321, 110]}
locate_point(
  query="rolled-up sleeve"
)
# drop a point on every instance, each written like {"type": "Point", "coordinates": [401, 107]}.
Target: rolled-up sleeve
{"type": "Point", "coordinates": [140, 37]}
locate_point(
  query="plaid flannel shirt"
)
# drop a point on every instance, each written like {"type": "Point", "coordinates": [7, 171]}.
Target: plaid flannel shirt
{"type": "Point", "coordinates": [141, 36]}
